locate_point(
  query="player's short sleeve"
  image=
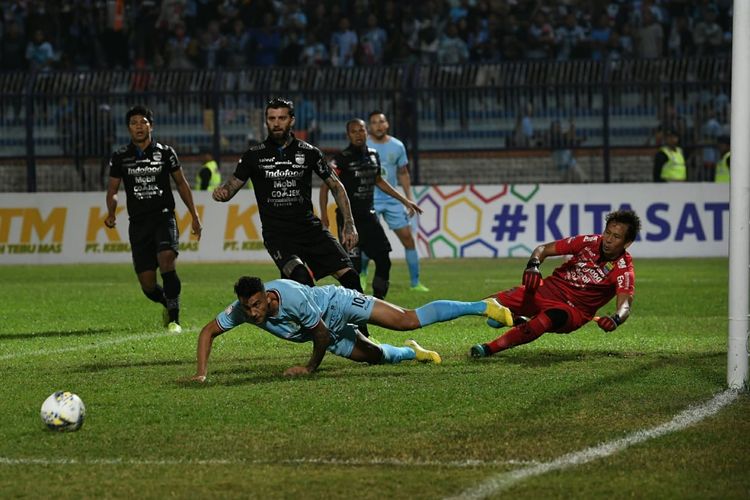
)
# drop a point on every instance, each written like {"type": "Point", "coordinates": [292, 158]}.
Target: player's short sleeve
{"type": "Point", "coordinates": [624, 276]}
{"type": "Point", "coordinates": [115, 166]}
{"type": "Point", "coordinates": [574, 244]}
{"type": "Point", "coordinates": [320, 164]}
{"type": "Point", "coordinates": [232, 316]}
{"type": "Point", "coordinates": [173, 160]}
{"type": "Point", "coordinates": [402, 160]}
{"type": "Point", "coordinates": [242, 170]}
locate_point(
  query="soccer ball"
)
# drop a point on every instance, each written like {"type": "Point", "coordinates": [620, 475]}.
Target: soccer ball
{"type": "Point", "coordinates": [63, 411]}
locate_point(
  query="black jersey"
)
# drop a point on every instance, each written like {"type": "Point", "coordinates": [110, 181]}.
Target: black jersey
{"type": "Point", "coordinates": [358, 168]}
{"type": "Point", "coordinates": [282, 181]}
{"type": "Point", "coordinates": [146, 177]}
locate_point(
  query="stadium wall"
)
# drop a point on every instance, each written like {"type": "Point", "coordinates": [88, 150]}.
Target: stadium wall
{"type": "Point", "coordinates": [503, 220]}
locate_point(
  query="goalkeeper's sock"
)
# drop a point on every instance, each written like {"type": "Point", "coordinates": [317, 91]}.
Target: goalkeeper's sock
{"type": "Point", "coordinates": [521, 334]}
{"type": "Point", "coordinates": [393, 354]}
{"type": "Point", "coordinates": [444, 310]}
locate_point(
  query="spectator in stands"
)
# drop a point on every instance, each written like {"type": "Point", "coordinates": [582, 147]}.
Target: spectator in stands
{"type": "Point", "coordinates": [562, 142]}
{"type": "Point", "coordinates": [180, 50]}
{"type": "Point", "coordinates": [680, 42]}
{"type": "Point", "coordinates": [669, 162]}
{"type": "Point", "coordinates": [238, 46]}
{"type": "Point", "coordinates": [344, 43]}
{"type": "Point", "coordinates": [710, 130]}
{"type": "Point", "coordinates": [540, 41]}
{"type": "Point", "coordinates": [570, 39]}
{"type": "Point", "coordinates": [39, 53]}
{"type": "Point", "coordinates": [373, 42]}
{"type": "Point", "coordinates": [600, 37]}
{"type": "Point", "coordinates": [13, 57]}
{"type": "Point", "coordinates": [451, 48]}
{"type": "Point", "coordinates": [649, 37]}
{"type": "Point", "coordinates": [291, 49]}
{"type": "Point", "coordinates": [315, 52]}
{"type": "Point", "coordinates": [708, 34]}
{"type": "Point", "coordinates": [212, 47]}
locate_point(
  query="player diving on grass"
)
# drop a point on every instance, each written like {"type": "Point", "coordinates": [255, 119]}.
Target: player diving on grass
{"type": "Point", "coordinates": [599, 269]}
{"type": "Point", "coordinates": [328, 316]}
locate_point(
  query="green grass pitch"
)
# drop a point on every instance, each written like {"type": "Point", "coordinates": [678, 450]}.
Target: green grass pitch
{"type": "Point", "coordinates": [358, 431]}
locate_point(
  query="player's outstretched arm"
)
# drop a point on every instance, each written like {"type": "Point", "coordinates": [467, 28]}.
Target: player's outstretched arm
{"type": "Point", "coordinates": [228, 189]}
{"type": "Point", "coordinates": [205, 340]}
{"type": "Point", "coordinates": [610, 323]}
{"type": "Point", "coordinates": [532, 276]}
{"type": "Point", "coordinates": [321, 340]}
{"type": "Point", "coordinates": [349, 236]}
{"type": "Point", "coordinates": [387, 188]}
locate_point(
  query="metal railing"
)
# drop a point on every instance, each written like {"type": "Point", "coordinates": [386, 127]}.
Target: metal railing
{"type": "Point", "coordinates": [79, 116]}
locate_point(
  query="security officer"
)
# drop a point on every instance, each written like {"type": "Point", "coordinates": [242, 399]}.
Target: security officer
{"type": "Point", "coordinates": [669, 162]}
{"type": "Point", "coordinates": [208, 177]}
{"type": "Point", "coordinates": [722, 167]}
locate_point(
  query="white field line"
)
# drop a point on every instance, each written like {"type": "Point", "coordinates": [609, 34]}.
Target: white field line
{"type": "Point", "coordinates": [687, 418]}
{"type": "Point", "coordinates": [393, 462]}
{"type": "Point", "coordinates": [95, 345]}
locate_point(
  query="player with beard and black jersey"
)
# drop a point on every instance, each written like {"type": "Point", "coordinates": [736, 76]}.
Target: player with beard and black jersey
{"type": "Point", "coordinates": [145, 166]}
{"type": "Point", "coordinates": [358, 167]}
{"type": "Point", "coordinates": [280, 169]}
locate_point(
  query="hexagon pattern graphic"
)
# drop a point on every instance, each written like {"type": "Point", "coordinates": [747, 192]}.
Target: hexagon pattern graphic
{"type": "Point", "coordinates": [453, 217]}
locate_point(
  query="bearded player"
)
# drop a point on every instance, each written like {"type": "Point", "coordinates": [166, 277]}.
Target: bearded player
{"type": "Point", "coordinates": [599, 268]}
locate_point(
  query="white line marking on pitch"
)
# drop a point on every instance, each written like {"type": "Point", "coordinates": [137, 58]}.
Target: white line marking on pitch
{"type": "Point", "coordinates": [88, 347]}
{"type": "Point", "coordinates": [298, 461]}
{"type": "Point", "coordinates": [691, 416]}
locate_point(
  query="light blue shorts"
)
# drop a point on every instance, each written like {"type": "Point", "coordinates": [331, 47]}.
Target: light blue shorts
{"type": "Point", "coordinates": [394, 213]}
{"type": "Point", "coordinates": [346, 310]}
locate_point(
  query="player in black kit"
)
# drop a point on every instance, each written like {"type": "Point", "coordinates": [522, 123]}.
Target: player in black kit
{"type": "Point", "coordinates": [145, 167]}
{"type": "Point", "coordinates": [280, 169]}
{"type": "Point", "coordinates": [358, 167]}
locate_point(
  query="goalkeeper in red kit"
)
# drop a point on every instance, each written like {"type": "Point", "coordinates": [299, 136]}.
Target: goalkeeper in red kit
{"type": "Point", "coordinates": [599, 268]}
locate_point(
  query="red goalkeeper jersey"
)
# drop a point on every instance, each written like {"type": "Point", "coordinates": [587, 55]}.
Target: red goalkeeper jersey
{"type": "Point", "coordinates": [586, 280]}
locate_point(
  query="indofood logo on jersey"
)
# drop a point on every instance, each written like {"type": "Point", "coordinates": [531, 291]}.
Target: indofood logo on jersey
{"type": "Point", "coordinates": [299, 158]}
{"type": "Point", "coordinates": [283, 173]}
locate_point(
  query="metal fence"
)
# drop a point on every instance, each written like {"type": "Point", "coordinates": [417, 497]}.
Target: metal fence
{"type": "Point", "coordinates": [77, 118]}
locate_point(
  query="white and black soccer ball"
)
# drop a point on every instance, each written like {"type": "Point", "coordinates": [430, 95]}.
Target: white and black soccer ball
{"type": "Point", "coordinates": [63, 411]}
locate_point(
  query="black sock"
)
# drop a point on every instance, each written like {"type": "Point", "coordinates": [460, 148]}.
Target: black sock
{"type": "Point", "coordinates": [172, 289]}
{"type": "Point", "coordinates": [156, 295]}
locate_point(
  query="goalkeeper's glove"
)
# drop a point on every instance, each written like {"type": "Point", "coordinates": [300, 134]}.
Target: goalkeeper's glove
{"type": "Point", "coordinates": [609, 323]}
{"type": "Point", "coordinates": [532, 277]}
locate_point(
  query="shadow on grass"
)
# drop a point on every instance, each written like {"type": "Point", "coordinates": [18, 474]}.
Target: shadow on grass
{"type": "Point", "coordinates": [71, 333]}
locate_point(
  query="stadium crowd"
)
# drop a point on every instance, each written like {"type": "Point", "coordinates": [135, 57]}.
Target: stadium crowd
{"type": "Point", "coordinates": [192, 34]}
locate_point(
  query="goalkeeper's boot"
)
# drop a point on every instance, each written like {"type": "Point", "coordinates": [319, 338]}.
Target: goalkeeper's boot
{"type": "Point", "coordinates": [498, 312]}
{"type": "Point", "coordinates": [363, 281]}
{"type": "Point", "coordinates": [174, 327]}
{"type": "Point", "coordinates": [479, 351]}
{"type": "Point", "coordinates": [423, 355]}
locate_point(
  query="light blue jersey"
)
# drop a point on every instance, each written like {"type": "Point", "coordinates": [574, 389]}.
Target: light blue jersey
{"type": "Point", "coordinates": [302, 307]}
{"type": "Point", "coordinates": [392, 157]}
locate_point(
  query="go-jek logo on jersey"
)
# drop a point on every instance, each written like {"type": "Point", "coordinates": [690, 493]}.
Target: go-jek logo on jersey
{"type": "Point", "coordinates": [277, 174]}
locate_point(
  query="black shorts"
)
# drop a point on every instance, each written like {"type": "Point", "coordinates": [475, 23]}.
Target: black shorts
{"type": "Point", "coordinates": [372, 238]}
{"type": "Point", "coordinates": [317, 248]}
{"type": "Point", "coordinates": [149, 236]}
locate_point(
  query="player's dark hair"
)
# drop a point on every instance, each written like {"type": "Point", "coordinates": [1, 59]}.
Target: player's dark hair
{"type": "Point", "coordinates": [352, 122]}
{"type": "Point", "coordinates": [628, 217]}
{"type": "Point", "coordinates": [247, 286]}
{"type": "Point", "coordinates": [373, 113]}
{"type": "Point", "coordinates": [139, 110]}
{"type": "Point", "coordinates": [280, 102]}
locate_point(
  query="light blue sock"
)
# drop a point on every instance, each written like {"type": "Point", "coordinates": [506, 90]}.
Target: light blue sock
{"type": "Point", "coordinates": [393, 354]}
{"type": "Point", "coordinates": [444, 310]}
{"type": "Point", "coordinates": [364, 263]}
{"type": "Point", "coordinates": [412, 262]}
